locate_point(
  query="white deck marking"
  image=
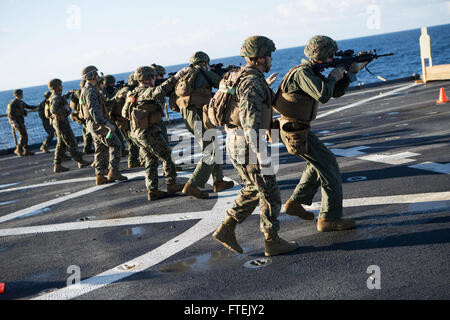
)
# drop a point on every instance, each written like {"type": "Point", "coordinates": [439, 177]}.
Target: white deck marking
{"type": "Point", "coordinates": [208, 223]}
{"type": "Point", "coordinates": [350, 152]}
{"type": "Point", "coordinates": [393, 159]}
{"type": "Point", "coordinates": [376, 97]}
{"type": "Point", "coordinates": [432, 166]}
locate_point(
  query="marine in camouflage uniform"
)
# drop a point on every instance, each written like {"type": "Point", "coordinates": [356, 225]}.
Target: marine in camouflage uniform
{"type": "Point", "coordinates": [60, 111]}
{"type": "Point", "coordinates": [191, 107]}
{"type": "Point", "coordinates": [109, 92]}
{"type": "Point", "coordinates": [259, 183]}
{"type": "Point", "coordinates": [144, 111]}
{"type": "Point", "coordinates": [88, 147]}
{"type": "Point", "coordinates": [304, 87]}
{"type": "Point", "coordinates": [124, 123]}
{"type": "Point", "coordinates": [46, 123]}
{"type": "Point", "coordinates": [107, 145]}
{"type": "Point", "coordinates": [16, 116]}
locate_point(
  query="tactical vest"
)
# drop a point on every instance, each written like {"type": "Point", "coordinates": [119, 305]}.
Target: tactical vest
{"type": "Point", "coordinates": [84, 111]}
{"type": "Point", "coordinates": [187, 94]}
{"type": "Point", "coordinates": [297, 111]}
{"type": "Point", "coordinates": [295, 106]}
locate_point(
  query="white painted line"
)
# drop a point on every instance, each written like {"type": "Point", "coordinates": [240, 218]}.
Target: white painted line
{"type": "Point", "coordinates": [84, 225]}
{"type": "Point", "coordinates": [350, 152]}
{"type": "Point", "coordinates": [393, 159]}
{"type": "Point", "coordinates": [50, 183]}
{"type": "Point", "coordinates": [210, 220]}
{"type": "Point", "coordinates": [322, 115]}
{"type": "Point", "coordinates": [9, 185]}
{"type": "Point", "coordinates": [432, 166]}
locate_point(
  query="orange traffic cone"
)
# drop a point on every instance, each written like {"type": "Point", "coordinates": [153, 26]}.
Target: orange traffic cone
{"type": "Point", "coordinates": [442, 97]}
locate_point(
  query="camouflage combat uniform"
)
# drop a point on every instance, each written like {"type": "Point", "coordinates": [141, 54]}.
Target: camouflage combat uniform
{"type": "Point", "coordinates": [46, 124]}
{"type": "Point", "coordinates": [192, 116]}
{"type": "Point", "coordinates": [152, 140]}
{"type": "Point", "coordinates": [322, 169]}
{"type": "Point", "coordinates": [87, 137]}
{"type": "Point", "coordinates": [16, 116]}
{"type": "Point", "coordinates": [64, 134]}
{"type": "Point", "coordinates": [124, 126]}
{"type": "Point", "coordinates": [107, 151]}
{"type": "Point", "coordinates": [255, 114]}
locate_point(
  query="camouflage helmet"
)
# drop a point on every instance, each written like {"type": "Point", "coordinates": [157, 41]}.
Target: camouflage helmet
{"type": "Point", "coordinates": [47, 94]}
{"type": "Point", "coordinates": [131, 80]}
{"type": "Point", "coordinates": [109, 79]}
{"type": "Point", "coordinates": [257, 47]}
{"type": "Point", "coordinates": [18, 92]}
{"type": "Point", "coordinates": [159, 69]}
{"type": "Point", "coordinates": [89, 73]}
{"type": "Point", "coordinates": [144, 73]}
{"type": "Point", "coordinates": [198, 57]}
{"type": "Point", "coordinates": [54, 84]}
{"type": "Point", "coordinates": [320, 47]}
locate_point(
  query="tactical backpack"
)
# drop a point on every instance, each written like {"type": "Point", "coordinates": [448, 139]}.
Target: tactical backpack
{"type": "Point", "coordinates": [222, 108]}
{"type": "Point", "coordinates": [185, 87]}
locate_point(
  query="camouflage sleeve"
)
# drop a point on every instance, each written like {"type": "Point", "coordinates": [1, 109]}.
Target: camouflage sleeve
{"type": "Point", "coordinates": [251, 96]}
{"type": "Point", "coordinates": [319, 88]}
{"type": "Point", "coordinates": [57, 106]}
{"type": "Point", "coordinates": [94, 107]}
{"type": "Point", "coordinates": [214, 78]}
{"type": "Point", "coordinates": [28, 106]}
{"type": "Point", "coordinates": [159, 92]}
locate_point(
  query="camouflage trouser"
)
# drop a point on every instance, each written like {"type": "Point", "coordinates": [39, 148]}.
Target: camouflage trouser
{"type": "Point", "coordinates": [22, 131]}
{"type": "Point", "coordinates": [154, 147]}
{"type": "Point", "coordinates": [50, 132]}
{"type": "Point", "coordinates": [65, 140]}
{"type": "Point", "coordinates": [107, 151]}
{"type": "Point", "coordinates": [322, 170]}
{"type": "Point", "coordinates": [258, 189]}
{"type": "Point", "coordinates": [133, 148]}
{"type": "Point", "coordinates": [203, 170]}
{"type": "Point", "coordinates": [87, 139]}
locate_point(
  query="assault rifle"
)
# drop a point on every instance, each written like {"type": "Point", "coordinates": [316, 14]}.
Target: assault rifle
{"type": "Point", "coordinates": [347, 57]}
{"type": "Point", "coordinates": [220, 70]}
{"type": "Point", "coordinates": [120, 84]}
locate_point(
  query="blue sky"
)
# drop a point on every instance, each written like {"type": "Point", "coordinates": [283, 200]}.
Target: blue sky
{"type": "Point", "coordinates": [40, 40]}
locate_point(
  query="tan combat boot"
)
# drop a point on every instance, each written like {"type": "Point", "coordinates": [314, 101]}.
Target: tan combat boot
{"type": "Point", "coordinates": [324, 224]}
{"type": "Point", "coordinates": [156, 194]}
{"type": "Point", "coordinates": [293, 208]}
{"type": "Point", "coordinates": [83, 164]}
{"type": "Point", "coordinates": [225, 235]}
{"type": "Point", "coordinates": [114, 175]}
{"type": "Point", "coordinates": [100, 179]}
{"type": "Point", "coordinates": [274, 245]}
{"type": "Point", "coordinates": [191, 190]}
{"type": "Point", "coordinates": [44, 149]}
{"type": "Point", "coordinates": [59, 168]}
{"type": "Point", "coordinates": [222, 185]}
{"type": "Point", "coordinates": [18, 152]}
{"type": "Point", "coordinates": [174, 188]}
{"type": "Point", "coordinates": [27, 153]}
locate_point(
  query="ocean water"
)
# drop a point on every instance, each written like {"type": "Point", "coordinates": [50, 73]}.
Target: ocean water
{"type": "Point", "coordinates": [405, 62]}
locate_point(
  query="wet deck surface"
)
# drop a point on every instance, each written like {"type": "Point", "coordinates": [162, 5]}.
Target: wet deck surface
{"type": "Point", "coordinates": [393, 147]}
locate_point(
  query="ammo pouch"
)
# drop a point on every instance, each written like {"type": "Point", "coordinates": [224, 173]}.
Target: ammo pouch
{"type": "Point", "coordinates": [295, 136]}
{"type": "Point", "coordinates": [146, 115]}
